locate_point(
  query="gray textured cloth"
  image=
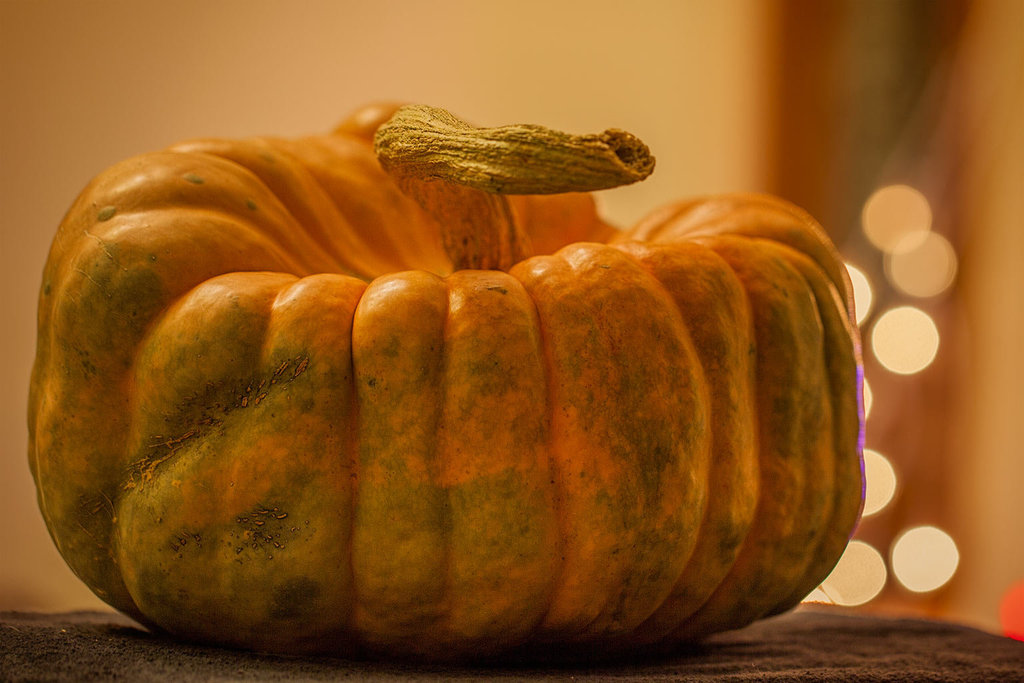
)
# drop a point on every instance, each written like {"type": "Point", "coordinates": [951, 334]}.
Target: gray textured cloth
{"type": "Point", "coordinates": [806, 645]}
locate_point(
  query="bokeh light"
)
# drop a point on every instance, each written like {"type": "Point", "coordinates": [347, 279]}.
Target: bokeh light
{"type": "Point", "coordinates": [896, 217]}
{"type": "Point", "coordinates": [1011, 611]}
{"type": "Point", "coordinates": [905, 340]}
{"type": "Point", "coordinates": [924, 558]}
{"type": "Point", "coordinates": [862, 292]}
{"type": "Point", "coordinates": [923, 270]}
{"type": "Point", "coordinates": [818, 595]}
{"type": "Point", "coordinates": [858, 577]}
{"type": "Point", "coordinates": [869, 399]}
{"type": "Point", "coordinates": [881, 482]}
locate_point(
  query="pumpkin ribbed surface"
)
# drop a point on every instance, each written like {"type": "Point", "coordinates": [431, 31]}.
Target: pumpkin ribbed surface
{"type": "Point", "coordinates": [265, 412]}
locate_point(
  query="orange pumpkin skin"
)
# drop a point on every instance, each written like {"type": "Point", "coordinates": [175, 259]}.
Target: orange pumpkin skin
{"type": "Point", "coordinates": [265, 414]}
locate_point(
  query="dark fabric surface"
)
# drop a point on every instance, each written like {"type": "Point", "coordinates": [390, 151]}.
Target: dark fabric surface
{"type": "Point", "coordinates": [807, 645]}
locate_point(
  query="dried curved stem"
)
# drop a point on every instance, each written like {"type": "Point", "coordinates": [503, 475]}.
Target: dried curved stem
{"type": "Point", "coordinates": [459, 173]}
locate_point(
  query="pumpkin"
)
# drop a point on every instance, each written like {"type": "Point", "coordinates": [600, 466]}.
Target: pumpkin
{"type": "Point", "coordinates": [398, 390]}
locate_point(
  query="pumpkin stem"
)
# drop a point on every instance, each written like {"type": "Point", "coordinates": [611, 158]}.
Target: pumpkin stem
{"type": "Point", "coordinates": [459, 173]}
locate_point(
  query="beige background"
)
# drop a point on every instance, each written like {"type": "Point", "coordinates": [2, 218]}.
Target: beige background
{"type": "Point", "coordinates": [87, 83]}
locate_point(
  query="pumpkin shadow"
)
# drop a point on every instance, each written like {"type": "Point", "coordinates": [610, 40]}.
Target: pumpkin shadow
{"type": "Point", "coordinates": [524, 664]}
{"type": "Point", "coordinates": [105, 646]}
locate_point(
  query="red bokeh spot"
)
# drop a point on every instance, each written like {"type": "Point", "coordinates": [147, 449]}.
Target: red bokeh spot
{"type": "Point", "coordinates": [1011, 611]}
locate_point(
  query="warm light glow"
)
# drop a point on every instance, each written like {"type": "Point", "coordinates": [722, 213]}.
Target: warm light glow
{"type": "Point", "coordinates": [926, 269]}
{"type": "Point", "coordinates": [895, 213]}
{"type": "Point", "coordinates": [924, 558]}
{"type": "Point", "coordinates": [869, 398]}
{"type": "Point", "coordinates": [905, 340]}
{"type": "Point", "coordinates": [858, 577]}
{"type": "Point", "coordinates": [1011, 611]}
{"type": "Point", "coordinates": [881, 481]}
{"type": "Point", "coordinates": [862, 292]}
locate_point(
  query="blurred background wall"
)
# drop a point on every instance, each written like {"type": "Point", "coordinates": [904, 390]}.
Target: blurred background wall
{"type": "Point", "coordinates": [898, 125]}
{"type": "Point", "coordinates": [895, 122]}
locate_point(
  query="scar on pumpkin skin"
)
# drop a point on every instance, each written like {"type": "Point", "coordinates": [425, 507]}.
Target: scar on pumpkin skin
{"type": "Point", "coordinates": [142, 471]}
{"type": "Point", "coordinates": [264, 530]}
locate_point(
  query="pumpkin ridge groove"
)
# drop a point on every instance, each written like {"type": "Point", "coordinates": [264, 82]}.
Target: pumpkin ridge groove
{"type": "Point", "coordinates": [797, 593]}
{"type": "Point", "coordinates": [838, 331]}
{"type": "Point", "coordinates": [359, 242]}
{"type": "Point", "coordinates": [351, 445]}
{"type": "Point", "coordinates": [436, 468]}
{"type": "Point", "coordinates": [824, 432]}
{"type": "Point", "coordinates": [554, 468]}
{"type": "Point", "coordinates": [201, 198]}
{"type": "Point", "coordinates": [221, 221]}
{"type": "Point", "coordinates": [813, 233]}
{"type": "Point", "coordinates": [712, 463]}
{"type": "Point", "coordinates": [685, 627]}
{"type": "Point", "coordinates": [701, 280]}
{"type": "Point", "coordinates": [703, 385]}
{"type": "Point", "coordinates": [836, 273]}
{"type": "Point", "coordinates": [102, 495]}
{"type": "Point", "coordinates": [326, 223]}
{"type": "Point", "coordinates": [760, 273]}
{"type": "Point", "coordinates": [395, 243]}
